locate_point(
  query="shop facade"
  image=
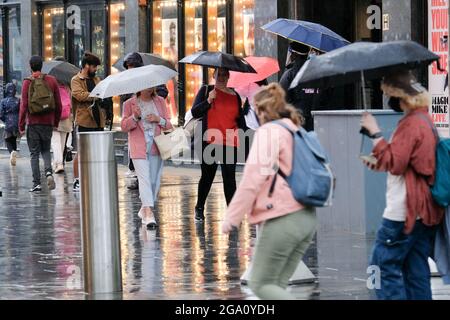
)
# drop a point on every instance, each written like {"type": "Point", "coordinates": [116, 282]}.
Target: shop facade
{"type": "Point", "coordinates": [176, 28]}
{"type": "Point", "coordinates": [112, 28]}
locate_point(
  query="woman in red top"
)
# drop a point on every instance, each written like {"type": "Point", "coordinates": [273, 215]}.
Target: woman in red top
{"type": "Point", "coordinates": [220, 109]}
{"type": "Point", "coordinates": [404, 240]}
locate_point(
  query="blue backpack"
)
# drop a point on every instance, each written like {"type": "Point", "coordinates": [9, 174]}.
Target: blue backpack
{"type": "Point", "coordinates": [311, 180]}
{"type": "Point", "coordinates": [441, 188]}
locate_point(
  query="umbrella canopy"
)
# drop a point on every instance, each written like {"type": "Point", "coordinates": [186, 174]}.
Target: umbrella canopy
{"type": "Point", "coordinates": [264, 67]}
{"type": "Point", "coordinates": [147, 59]}
{"type": "Point", "coordinates": [309, 33]}
{"type": "Point", "coordinates": [362, 60]}
{"type": "Point", "coordinates": [219, 60]}
{"type": "Point", "coordinates": [132, 81]}
{"type": "Point", "coordinates": [61, 70]}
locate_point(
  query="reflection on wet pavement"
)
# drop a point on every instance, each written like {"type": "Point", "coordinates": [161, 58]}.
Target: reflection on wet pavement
{"type": "Point", "coordinates": [40, 253]}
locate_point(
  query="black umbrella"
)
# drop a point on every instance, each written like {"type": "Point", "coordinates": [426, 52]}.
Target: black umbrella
{"type": "Point", "coordinates": [219, 60]}
{"type": "Point", "coordinates": [362, 61]}
{"type": "Point", "coordinates": [61, 70]}
{"type": "Point", "coordinates": [147, 59]}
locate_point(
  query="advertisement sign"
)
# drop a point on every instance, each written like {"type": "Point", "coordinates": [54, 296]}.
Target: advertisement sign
{"type": "Point", "coordinates": [438, 80]}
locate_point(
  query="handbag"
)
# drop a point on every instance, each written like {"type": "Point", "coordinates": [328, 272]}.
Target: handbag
{"type": "Point", "coordinates": [172, 143]}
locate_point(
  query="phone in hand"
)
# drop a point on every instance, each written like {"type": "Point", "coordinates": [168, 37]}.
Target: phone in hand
{"type": "Point", "coordinates": [369, 159]}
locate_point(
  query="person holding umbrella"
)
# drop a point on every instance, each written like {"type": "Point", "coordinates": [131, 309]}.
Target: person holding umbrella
{"type": "Point", "coordinates": [145, 116]}
{"type": "Point", "coordinates": [65, 127]}
{"type": "Point", "coordinates": [130, 61]}
{"type": "Point", "coordinates": [222, 114]}
{"type": "Point", "coordinates": [405, 239]}
{"type": "Point", "coordinates": [86, 119]}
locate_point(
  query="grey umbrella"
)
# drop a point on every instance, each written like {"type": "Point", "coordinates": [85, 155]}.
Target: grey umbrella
{"type": "Point", "coordinates": [61, 70]}
{"type": "Point", "coordinates": [219, 60]}
{"type": "Point", "coordinates": [362, 61]}
{"type": "Point", "coordinates": [147, 59]}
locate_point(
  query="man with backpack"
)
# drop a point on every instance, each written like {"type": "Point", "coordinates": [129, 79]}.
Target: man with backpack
{"type": "Point", "coordinates": [40, 110]}
{"type": "Point", "coordinates": [405, 239]}
{"type": "Point", "coordinates": [89, 116]}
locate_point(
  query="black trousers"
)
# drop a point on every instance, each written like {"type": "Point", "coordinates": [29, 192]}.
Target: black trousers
{"type": "Point", "coordinates": [226, 158]}
{"type": "Point", "coordinates": [11, 143]}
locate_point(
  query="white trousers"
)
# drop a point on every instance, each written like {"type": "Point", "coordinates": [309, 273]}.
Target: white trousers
{"type": "Point", "coordinates": [149, 173]}
{"type": "Point", "coordinates": [58, 141]}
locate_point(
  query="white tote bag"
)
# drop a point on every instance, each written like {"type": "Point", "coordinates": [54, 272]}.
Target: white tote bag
{"type": "Point", "coordinates": [173, 143]}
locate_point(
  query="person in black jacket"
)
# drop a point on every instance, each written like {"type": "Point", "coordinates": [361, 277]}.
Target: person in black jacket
{"type": "Point", "coordinates": [303, 99]}
{"type": "Point", "coordinates": [222, 116]}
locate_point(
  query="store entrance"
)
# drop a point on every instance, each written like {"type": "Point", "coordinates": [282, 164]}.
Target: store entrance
{"type": "Point", "coordinates": [89, 35]}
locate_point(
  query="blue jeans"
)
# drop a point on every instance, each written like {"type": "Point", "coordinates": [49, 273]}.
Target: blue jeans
{"type": "Point", "coordinates": [403, 261]}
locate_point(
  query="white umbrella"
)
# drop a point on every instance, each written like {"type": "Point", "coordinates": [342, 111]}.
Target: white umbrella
{"type": "Point", "coordinates": [132, 81]}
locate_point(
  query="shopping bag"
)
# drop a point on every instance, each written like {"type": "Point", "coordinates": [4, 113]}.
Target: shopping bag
{"type": "Point", "coordinates": [173, 143]}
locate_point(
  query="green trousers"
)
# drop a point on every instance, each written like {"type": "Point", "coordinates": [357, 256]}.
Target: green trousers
{"type": "Point", "coordinates": [281, 244]}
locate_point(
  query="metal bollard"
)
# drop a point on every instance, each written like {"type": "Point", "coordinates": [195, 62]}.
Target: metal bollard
{"type": "Point", "coordinates": [99, 213]}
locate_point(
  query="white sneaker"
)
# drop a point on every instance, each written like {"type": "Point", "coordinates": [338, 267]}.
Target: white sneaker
{"type": "Point", "coordinates": [13, 158]}
{"type": "Point", "coordinates": [50, 181]}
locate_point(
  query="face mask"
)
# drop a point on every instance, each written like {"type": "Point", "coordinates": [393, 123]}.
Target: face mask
{"type": "Point", "coordinates": [394, 104]}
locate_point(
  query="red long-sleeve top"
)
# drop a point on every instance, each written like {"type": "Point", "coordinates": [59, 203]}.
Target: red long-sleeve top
{"type": "Point", "coordinates": [412, 153]}
{"type": "Point", "coordinates": [51, 118]}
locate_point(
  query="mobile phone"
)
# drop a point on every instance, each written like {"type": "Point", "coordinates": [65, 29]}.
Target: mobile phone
{"type": "Point", "coordinates": [370, 159]}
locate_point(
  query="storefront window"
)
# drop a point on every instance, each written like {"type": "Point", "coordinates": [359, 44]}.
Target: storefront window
{"type": "Point", "coordinates": [217, 28]}
{"type": "Point", "coordinates": [98, 38]}
{"type": "Point", "coordinates": [80, 39]}
{"type": "Point", "coordinates": [244, 27]}
{"type": "Point", "coordinates": [53, 41]}
{"type": "Point", "coordinates": [1, 60]}
{"type": "Point", "coordinates": [165, 43]}
{"type": "Point", "coordinates": [15, 66]}
{"type": "Point", "coordinates": [193, 43]}
{"type": "Point", "coordinates": [117, 45]}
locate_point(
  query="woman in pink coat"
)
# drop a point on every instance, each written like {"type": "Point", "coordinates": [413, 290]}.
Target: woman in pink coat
{"type": "Point", "coordinates": [144, 117]}
{"type": "Point", "coordinates": [286, 227]}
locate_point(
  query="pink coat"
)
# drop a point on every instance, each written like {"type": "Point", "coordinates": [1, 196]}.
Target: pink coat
{"type": "Point", "coordinates": [272, 145]}
{"type": "Point", "coordinates": [136, 137]}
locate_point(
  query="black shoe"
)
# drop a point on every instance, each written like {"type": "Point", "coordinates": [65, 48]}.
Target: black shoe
{"type": "Point", "coordinates": [199, 214]}
{"type": "Point", "coordinates": [36, 188]}
{"type": "Point", "coordinates": [76, 185]}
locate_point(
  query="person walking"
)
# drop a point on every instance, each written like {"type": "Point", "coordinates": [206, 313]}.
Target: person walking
{"type": "Point", "coordinates": [404, 240]}
{"type": "Point", "coordinates": [130, 61]}
{"type": "Point", "coordinates": [40, 110]}
{"type": "Point", "coordinates": [59, 137]}
{"type": "Point", "coordinates": [88, 116]}
{"type": "Point", "coordinates": [286, 227]}
{"type": "Point", "coordinates": [9, 114]}
{"type": "Point", "coordinates": [222, 116]}
{"type": "Point", "coordinates": [144, 117]}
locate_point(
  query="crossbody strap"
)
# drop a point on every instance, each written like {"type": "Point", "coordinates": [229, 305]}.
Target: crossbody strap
{"type": "Point", "coordinates": [431, 125]}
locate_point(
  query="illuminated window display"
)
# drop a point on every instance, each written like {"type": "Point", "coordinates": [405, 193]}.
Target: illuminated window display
{"type": "Point", "coordinates": [165, 43]}
{"type": "Point", "coordinates": [244, 30]}
{"type": "Point", "coordinates": [53, 35]}
{"type": "Point", "coordinates": [193, 43]}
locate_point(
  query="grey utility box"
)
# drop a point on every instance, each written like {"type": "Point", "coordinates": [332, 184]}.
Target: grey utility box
{"type": "Point", "coordinates": [360, 193]}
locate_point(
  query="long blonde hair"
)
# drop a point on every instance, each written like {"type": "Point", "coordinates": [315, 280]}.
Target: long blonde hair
{"type": "Point", "coordinates": [270, 101]}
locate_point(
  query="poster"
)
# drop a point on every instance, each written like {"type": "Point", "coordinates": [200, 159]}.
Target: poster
{"type": "Point", "coordinates": [170, 39]}
{"type": "Point", "coordinates": [198, 41]}
{"type": "Point", "coordinates": [221, 34]}
{"type": "Point", "coordinates": [438, 80]}
{"type": "Point", "coordinates": [249, 34]}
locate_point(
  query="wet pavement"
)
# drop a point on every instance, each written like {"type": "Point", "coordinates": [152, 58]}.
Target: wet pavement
{"type": "Point", "coordinates": [40, 246]}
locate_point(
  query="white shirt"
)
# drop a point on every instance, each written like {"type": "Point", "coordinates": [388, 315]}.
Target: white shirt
{"type": "Point", "coordinates": [395, 198]}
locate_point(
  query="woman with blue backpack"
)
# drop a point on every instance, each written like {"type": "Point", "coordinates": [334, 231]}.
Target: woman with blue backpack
{"type": "Point", "coordinates": [9, 114]}
{"type": "Point", "coordinates": [286, 226]}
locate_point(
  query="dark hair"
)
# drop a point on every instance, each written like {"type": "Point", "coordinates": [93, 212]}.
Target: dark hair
{"type": "Point", "coordinates": [59, 58]}
{"type": "Point", "coordinates": [154, 93]}
{"type": "Point", "coordinates": [36, 63]}
{"type": "Point", "coordinates": [133, 59]}
{"type": "Point", "coordinates": [263, 83]}
{"type": "Point", "coordinates": [90, 59]}
{"type": "Point", "coordinates": [217, 70]}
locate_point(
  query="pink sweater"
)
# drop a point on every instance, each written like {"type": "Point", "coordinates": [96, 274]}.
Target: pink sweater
{"type": "Point", "coordinates": [136, 137]}
{"type": "Point", "coordinates": [272, 145]}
